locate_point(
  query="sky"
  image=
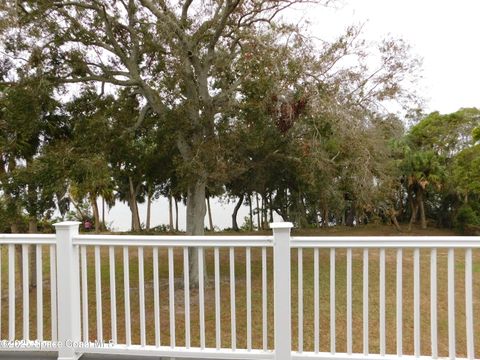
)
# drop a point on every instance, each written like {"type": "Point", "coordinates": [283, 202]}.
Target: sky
{"type": "Point", "coordinates": [444, 34]}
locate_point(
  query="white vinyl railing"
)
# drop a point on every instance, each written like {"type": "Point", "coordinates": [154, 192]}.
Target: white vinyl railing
{"type": "Point", "coordinates": [257, 297]}
{"type": "Point", "coordinates": [397, 246]}
{"type": "Point", "coordinates": [138, 251]}
{"type": "Point", "coordinates": [18, 283]}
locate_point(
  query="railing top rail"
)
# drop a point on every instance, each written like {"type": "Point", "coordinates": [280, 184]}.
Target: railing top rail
{"type": "Point", "coordinates": [174, 240]}
{"type": "Point", "coordinates": [385, 242]}
{"type": "Point", "coordinates": [26, 239]}
{"type": "Point", "coordinates": [252, 241]}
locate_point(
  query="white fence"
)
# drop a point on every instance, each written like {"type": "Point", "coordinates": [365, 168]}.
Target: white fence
{"type": "Point", "coordinates": [263, 297]}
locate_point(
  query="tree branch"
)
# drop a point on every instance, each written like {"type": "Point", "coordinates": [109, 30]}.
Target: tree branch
{"type": "Point", "coordinates": [185, 7]}
{"type": "Point", "coordinates": [98, 78]}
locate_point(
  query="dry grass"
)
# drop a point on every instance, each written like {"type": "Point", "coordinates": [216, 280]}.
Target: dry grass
{"type": "Point", "coordinates": [340, 292]}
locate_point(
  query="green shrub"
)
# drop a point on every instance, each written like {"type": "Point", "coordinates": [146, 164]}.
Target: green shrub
{"type": "Point", "coordinates": [466, 216]}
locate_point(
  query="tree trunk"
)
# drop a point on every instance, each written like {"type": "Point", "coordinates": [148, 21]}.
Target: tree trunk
{"type": "Point", "coordinates": [421, 206]}
{"type": "Point", "coordinates": [196, 211]}
{"type": "Point", "coordinates": [135, 219]}
{"type": "Point", "coordinates": [401, 209]}
{"type": "Point", "coordinates": [414, 207]}
{"type": "Point", "coordinates": [176, 214]}
{"type": "Point", "coordinates": [235, 212]}
{"type": "Point", "coordinates": [133, 206]}
{"type": "Point", "coordinates": [258, 212]}
{"type": "Point", "coordinates": [325, 218]}
{"type": "Point", "coordinates": [302, 212]}
{"type": "Point", "coordinates": [250, 211]}
{"type": "Point", "coordinates": [14, 228]}
{"type": "Point", "coordinates": [80, 212]}
{"type": "Point", "coordinates": [265, 211]}
{"type": "Point", "coordinates": [393, 217]}
{"type": "Point", "coordinates": [209, 210]}
{"type": "Point", "coordinates": [137, 213]}
{"type": "Point", "coordinates": [270, 207]}
{"type": "Point", "coordinates": [170, 213]}
{"type": "Point", "coordinates": [286, 206]}
{"type": "Point", "coordinates": [96, 213]}
{"type": "Point", "coordinates": [350, 218]}
{"type": "Point", "coordinates": [32, 229]}
{"type": "Point", "coordinates": [149, 209]}
{"type": "Point", "coordinates": [317, 220]}
{"type": "Point", "coordinates": [103, 214]}
{"type": "Point", "coordinates": [413, 217]}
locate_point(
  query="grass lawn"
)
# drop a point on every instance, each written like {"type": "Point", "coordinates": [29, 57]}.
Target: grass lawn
{"type": "Point", "coordinates": [340, 292]}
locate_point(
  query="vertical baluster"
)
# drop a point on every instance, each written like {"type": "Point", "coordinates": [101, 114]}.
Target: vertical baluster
{"type": "Point", "coordinates": [316, 302]}
{"type": "Point", "coordinates": [399, 302]}
{"type": "Point", "coordinates": [264, 299]}
{"type": "Point", "coordinates": [249, 298]}
{"type": "Point", "coordinates": [232, 299]}
{"type": "Point", "coordinates": [68, 289]}
{"type": "Point", "coordinates": [156, 296]}
{"type": "Point", "coordinates": [433, 302]}
{"type": "Point", "coordinates": [282, 290]}
{"type": "Point", "coordinates": [113, 294]}
{"type": "Point", "coordinates": [141, 296]}
{"type": "Point", "coordinates": [349, 301]}
{"type": "Point", "coordinates": [171, 296]}
{"type": "Point", "coordinates": [1, 253]}
{"type": "Point", "coordinates": [98, 293]}
{"type": "Point", "coordinates": [126, 286]}
{"type": "Point", "coordinates": [416, 301]}
{"type": "Point", "coordinates": [451, 304]}
{"type": "Point", "coordinates": [300, 299]}
{"type": "Point", "coordinates": [11, 292]}
{"type": "Point", "coordinates": [26, 292]}
{"type": "Point", "coordinates": [53, 291]}
{"type": "Point", "coordinates": [39, 263]}
{"type": "Point", "coordinates": [84, 279]}
{"type": "Point", "coordinates": [332, 301]}
{"type": "Point", "coordinates": [469, 303]}
{"type": "Point", "coordinates": [186, 288]}
{"type": "Point", "coordinates": [365, 302]}
{"type": "Point", "coordinates": [382, 302]}
{"type": "Point", "coordinates": [201, 297]}
{"type": "Point", "coordinates": [218, 334]}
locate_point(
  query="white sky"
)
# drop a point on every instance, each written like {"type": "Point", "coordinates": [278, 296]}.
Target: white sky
{"type": "Point", "coordinates": [444, 33]}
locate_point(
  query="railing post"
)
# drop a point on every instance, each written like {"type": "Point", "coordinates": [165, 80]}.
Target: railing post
{"type": "Point", "coordinates": [282, 290]}
{"type": "Point", "coordinates": [68, 289]}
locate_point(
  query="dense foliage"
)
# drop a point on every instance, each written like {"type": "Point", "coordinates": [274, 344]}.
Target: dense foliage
{"type": "Point", "coordinates": [133, 100]}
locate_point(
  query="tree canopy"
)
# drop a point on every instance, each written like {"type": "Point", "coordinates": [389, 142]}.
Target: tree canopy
{"type": "Point", "coordinates": [131, 100]}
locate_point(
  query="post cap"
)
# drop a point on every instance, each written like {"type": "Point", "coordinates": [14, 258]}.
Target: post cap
{"type": "Point", "coordinates": [66, 224]}
{"type": "Point", "coordinates": [281, 225]}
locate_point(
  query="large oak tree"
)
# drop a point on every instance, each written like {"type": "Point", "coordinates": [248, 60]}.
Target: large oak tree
{"type": "Point", "coordinates": [179, 56]}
